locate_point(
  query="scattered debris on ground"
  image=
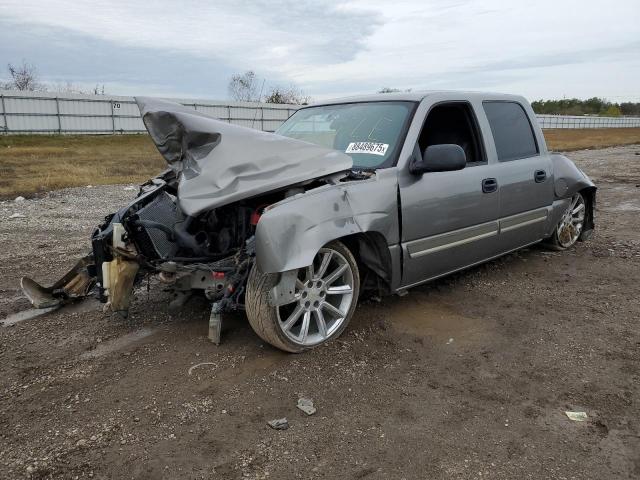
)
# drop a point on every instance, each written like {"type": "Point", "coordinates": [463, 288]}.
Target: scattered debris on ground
{"type": "Point", "coordinates": [86, 394]}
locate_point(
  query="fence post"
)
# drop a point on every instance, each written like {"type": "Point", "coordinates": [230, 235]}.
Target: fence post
{"type": "Point", "coordinates": [262, 118]}
{"type": "Point", "coordinates": [113, 117]}
{"type": "Point", "coordinates": [228, 113]}
{"type": "Point", "coordinates": [4, 115]}
{"type": "Point", "coordinates": [58, 115]}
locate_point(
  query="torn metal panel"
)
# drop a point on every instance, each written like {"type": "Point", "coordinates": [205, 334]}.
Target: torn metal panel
{"type": "Point", "coordinates": [292, 231]}
{"type": "Point", "coordinates": [222, 163]}
{"type": "Point", "coordinates": [76, 283]}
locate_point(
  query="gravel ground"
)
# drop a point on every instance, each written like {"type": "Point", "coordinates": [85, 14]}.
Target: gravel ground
{"type": "Point", "coordinates": [467, 377]}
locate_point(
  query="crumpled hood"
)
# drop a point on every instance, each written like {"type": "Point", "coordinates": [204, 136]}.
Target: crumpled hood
{"type": "Point", "coordinates": [220, 163]}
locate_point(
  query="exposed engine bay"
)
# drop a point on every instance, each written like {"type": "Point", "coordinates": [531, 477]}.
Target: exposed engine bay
{"type": "Point", "coordinates": [211, 252]}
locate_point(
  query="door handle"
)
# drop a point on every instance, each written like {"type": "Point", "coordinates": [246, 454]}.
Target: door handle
{"type": "Point", "coordinates": [540, 176]}
{"type": "Point", "coordinates": [489, 185]}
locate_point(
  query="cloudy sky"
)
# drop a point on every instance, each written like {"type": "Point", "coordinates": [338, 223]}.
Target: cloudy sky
{"type": "Point", "coordinates": [190, 48]}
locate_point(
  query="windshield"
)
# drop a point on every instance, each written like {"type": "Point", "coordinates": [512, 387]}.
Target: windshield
{"type": "Point", "coordinates": [371, 133]}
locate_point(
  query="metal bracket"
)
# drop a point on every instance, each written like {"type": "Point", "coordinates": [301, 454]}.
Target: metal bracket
{"type": "Point", "coordinates": [215, 323]}
{"type": "Point", "coordinates": [284, 291]}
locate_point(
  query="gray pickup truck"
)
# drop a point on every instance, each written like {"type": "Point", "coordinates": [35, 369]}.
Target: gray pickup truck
{"type": "Point", "coordinates": [369, 194]}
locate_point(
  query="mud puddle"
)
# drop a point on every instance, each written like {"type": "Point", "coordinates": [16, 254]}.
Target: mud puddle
{"type": "Point", "coordinates": [440, 321]}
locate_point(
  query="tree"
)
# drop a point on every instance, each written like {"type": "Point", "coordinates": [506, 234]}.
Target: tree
{"type": "Point", "coordinates": [612, 111]}
{"type": "Point", "coordinates": [392, 90]}
{"type": "Point", "coordinates": [243, 87]}
{"type": "Point", "coordinates": [24, 77]}
{"type": "Point", "coordinates": [291, 95]}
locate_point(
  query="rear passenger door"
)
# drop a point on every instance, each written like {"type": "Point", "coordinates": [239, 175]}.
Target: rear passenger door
{"type": "Point", "coordinates": [523, 174]}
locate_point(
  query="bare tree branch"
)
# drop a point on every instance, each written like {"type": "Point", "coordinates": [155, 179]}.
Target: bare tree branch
{"type": "Point", "coordinates": [291, 95]}
{"type": "Point", "coordinates": [24, 77]}
{"type": "Point", "coordinates": [243, 87]}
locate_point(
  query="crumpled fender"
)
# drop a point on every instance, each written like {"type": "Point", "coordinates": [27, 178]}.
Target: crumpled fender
{"type": "Point", "coordinates": [568, 178]}
{"type": "Point", "coordinates": [291, 232]}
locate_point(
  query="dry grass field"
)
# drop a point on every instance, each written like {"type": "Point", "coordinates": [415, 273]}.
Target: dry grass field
{"type": "Point", "coordinates": [30, 164]}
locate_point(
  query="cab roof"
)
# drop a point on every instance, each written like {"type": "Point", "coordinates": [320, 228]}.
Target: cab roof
{"type": "Point", "coordinates": [418, 96]}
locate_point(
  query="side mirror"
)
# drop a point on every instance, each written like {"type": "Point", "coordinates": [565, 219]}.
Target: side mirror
{"type": "Point", "coordinates": [439, 158]}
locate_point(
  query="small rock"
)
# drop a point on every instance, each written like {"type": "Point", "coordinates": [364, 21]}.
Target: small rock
{"type": "Point", "coordinates": [81, 443]}
{"type": "Point", "coordinates": [16, 215]}
{"type": "Point", "coordinates": [306, 405]}
{"type": "Point", "coordinates": [279, 424]}
{"type": "Point", "coordinates": [30, 469]}
{"type": "Point", "coordinates": [19, 199]}
{"type": "Point", "coordinates": [450, 341]}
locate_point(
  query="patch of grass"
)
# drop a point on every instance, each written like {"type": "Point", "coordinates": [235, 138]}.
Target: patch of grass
{"type": "Point", "coordinates": [565, 139]}
{"type": "Point", "coordinates": [37, 163]}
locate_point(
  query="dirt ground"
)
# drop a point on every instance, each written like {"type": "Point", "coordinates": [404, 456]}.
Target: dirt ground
{"type": "Point", "coordinates": [467, 377]}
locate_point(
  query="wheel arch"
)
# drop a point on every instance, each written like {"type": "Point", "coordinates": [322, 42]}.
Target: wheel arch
{"type": "Point", "coordinates": [374, 260]}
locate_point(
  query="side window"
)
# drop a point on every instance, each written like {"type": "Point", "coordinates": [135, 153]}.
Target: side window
{"type": "Point", "coordinates": [453, 123]}
{"type": "Point", "coordinates": [511, 129]}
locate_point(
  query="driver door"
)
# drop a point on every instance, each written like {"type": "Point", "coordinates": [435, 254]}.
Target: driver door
{"type": "Point", "coordinates": [449, 219]}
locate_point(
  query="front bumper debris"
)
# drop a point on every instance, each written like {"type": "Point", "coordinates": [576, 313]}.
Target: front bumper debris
{"type": "Point", "coordinates": [75, 284]}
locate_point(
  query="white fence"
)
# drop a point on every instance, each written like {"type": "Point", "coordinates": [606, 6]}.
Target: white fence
{"type": "Point", "coordinates": [26, 112]}
{"type": "Point", "coordinates": [575, 121]}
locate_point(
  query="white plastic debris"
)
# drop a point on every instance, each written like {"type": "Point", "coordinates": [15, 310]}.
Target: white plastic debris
{"type": "Point", "coordinates": [577, 416]}
{"type": "Point", "coordinates": [306, 405]}
{"type": "Point", "coordinates": [450, 341]}
{"type": "Point", "coordinates": [130, 187]}
{"type": "Point", "coordinates": [19, 199]}
{"type": "Point", "coordinates": [16, 215]}
{"type": "Point", "coordinates": [279, 424]}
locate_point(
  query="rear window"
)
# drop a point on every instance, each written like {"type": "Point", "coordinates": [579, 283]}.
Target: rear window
{"type": "Point", "coordinates": [511, 129]}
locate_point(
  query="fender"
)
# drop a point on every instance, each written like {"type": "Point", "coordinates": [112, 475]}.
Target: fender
{"type": "Point", "coordinates": [567, 177]}
{"type": "Point", "coordinates": [568, 180]}
{"type": "Point", "coordinates": [291, 232]}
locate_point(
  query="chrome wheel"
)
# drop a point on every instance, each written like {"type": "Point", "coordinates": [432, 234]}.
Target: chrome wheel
{"type": "Point", "coordinates": [324, 294]}
{"type": "Point", "coordinates": [570, 226]}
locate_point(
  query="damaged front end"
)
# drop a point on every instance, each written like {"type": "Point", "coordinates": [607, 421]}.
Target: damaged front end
{"type": "Point", "coordinates": [211, 252]}
{"type": "Point", "coordinates": [194, 225]}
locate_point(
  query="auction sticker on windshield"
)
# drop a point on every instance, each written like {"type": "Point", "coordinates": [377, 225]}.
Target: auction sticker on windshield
{"type": "Point", "coordinates": [367, 147]}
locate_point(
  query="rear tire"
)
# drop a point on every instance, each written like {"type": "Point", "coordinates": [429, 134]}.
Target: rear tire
{"type": "Point", "coordinates": [326, 295]}
{"type": "Point", "coordinates": [570, 227]}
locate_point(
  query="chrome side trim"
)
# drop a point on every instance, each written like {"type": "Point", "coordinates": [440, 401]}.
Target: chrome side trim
{"type": "Point", "coordinates": [479, 262]}
{"type": "Point", "coordinates": [443, 241]}
{"type": "Point", "coordinates": [523, 219]}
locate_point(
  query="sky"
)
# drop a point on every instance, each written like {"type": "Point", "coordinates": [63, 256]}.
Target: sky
{"type": "Point", "coordinates": [539, 49]}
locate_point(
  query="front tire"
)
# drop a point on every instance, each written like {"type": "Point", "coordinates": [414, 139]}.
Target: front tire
{"type": "Point", "coordinates": [568, 231]}
{"type": "Point", "coordinates": [325, 297]}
